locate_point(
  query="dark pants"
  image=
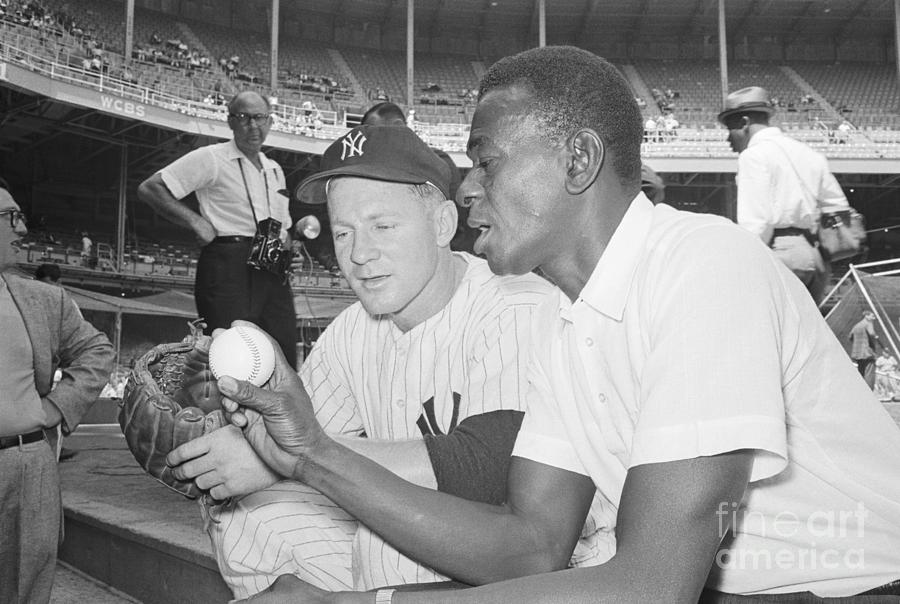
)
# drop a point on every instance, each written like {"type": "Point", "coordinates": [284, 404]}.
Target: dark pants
{"type": "Point", "coordinates": [226, 289]}
{"type": "Point", "coordinates": [889, 592]}
{"type": "Point", "coordinates": [866, 368]}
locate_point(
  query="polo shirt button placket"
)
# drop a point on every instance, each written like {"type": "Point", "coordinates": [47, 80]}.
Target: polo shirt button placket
{"type": "Point", "coordinates": [601, 397]}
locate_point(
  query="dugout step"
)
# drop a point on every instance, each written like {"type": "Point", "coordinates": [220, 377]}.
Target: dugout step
{"type": "Point", "coordinates": [130, 532]}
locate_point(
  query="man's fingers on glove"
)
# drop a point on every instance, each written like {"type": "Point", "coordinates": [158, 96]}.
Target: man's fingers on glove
{"type": "Point", "coordinates": [188, 451]}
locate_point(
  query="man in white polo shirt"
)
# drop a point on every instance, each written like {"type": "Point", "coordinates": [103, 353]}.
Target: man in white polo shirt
{"type": "Point", "coordinates": [238, 189]}
{"type": "Point", "coordinates": [683, 372]}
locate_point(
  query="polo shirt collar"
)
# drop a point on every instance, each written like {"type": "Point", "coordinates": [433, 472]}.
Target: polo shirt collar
{"type": "Point", "coordinates": [608, 287]}
{"type": "Point", "coordinates": [765, 134]}
{"type": "Point", "coordinates": [232, 152]}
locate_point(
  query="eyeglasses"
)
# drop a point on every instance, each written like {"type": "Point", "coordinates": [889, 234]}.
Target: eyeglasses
{"type": "Point", "coordinates": [260, 119]}
{"type": "Point", "coordinates": [15, 216]}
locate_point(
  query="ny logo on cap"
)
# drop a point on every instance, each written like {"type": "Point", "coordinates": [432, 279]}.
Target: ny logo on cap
{"type": "Point", "coordinates": [352, 145]}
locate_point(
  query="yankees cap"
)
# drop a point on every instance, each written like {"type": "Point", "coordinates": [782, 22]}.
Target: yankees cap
{"type": "Point", "coordinates": [389, 153]}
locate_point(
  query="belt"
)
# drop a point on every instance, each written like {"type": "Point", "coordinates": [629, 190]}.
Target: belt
{"type": "Point", "coordinates": [21, 439]}
{"type": "Point", "coordinates": [232, 239]}
{"type": "Point", "coordinates": [794, 232]}
{"type": "Point", "coordinates": [791, 231]}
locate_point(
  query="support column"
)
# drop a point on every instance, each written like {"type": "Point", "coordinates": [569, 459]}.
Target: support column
{"type": "Point", "coordinates": [129, 30]}
{"type": "Point", "coordinates": [723, 52]}
{"type": "Point", "coordinates": [410, 47]}
{"type": "Point", "coordinates": [120, 215]}
{"type": "Point", "coordinates": [273, 48]}
{"type": "Point", "coordinates": [542, 23]}
{"type": "Point", "coordinates": [897, 37]}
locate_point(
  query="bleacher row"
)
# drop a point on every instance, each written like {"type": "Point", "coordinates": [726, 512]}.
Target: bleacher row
{"type": "Point", "coordinates": [866, 94]}
{"type": "Point", "coordinates": [154, 258]}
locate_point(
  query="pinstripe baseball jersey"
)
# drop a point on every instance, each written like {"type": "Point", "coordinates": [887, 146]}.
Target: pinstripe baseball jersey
{"type": "Point", "coordinates": [364, 375]}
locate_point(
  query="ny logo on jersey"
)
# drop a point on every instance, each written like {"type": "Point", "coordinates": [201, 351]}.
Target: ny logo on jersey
{"type": "Point", "coordinates": [427, 422]}
{"type": "Point", "coordinates": [352, 145]}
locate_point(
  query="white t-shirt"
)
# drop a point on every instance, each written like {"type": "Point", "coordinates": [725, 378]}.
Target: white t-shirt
{"type": "Point", "coordinates": [217, 173]}
{"type": "Point", "coordinates": [691, 339]}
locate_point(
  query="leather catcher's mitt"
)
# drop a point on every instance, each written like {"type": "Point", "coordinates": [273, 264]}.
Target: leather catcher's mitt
{"type": "Point", "coordinates": [170, 398]}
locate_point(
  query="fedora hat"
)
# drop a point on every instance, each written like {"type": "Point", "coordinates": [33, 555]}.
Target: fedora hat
{"type": "Point", "coordinates": [753, 99]}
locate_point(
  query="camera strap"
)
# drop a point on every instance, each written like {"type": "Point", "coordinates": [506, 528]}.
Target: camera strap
{"type": "Point", "coordinates": [250, 198]}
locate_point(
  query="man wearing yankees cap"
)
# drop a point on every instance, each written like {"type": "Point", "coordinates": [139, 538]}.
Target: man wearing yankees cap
{"type": "Point", "coordinates": [427, 365]}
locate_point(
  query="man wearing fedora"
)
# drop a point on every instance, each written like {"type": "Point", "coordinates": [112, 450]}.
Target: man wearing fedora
{"type": "Point", "coordinates": [782, 186]}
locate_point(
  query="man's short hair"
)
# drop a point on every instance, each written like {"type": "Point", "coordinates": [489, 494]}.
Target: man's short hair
{"type": "Point", "coordinates": [733, 121]}
{"type": "Point", "coordinates": [576, 89]}
{"type": "Point", "coordinates": [386, 111]}
{"type": "Point", "coordinates": [48, 271]}
{"type": "Point", "coordinates": [235, 98]}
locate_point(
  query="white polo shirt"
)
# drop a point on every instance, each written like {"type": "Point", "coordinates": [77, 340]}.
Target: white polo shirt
{"type": "Point", "coordinates": [217, 173]}
{"type": "Point", "coordinates": [691, 339]}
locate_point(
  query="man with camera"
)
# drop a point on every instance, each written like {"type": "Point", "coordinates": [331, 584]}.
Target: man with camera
{"type": "Point", "coordinates": [243, 224]}
{"type": "Point", "coordinates": [782, 186]}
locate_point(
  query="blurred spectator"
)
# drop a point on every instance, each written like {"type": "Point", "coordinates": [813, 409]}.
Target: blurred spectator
{"type": "Point", "coordinates": [885, 374]}
{"type": "Point", "coordinates": [844, 130]}
{"type": "Point", "coordinates": [863, 339]}
{"type": "Point", "coordinates": [87, 248]}
{"type": "Point", "coordinates": [650, 133]}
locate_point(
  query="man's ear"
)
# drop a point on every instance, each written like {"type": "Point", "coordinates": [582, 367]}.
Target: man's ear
{"type": "Point", "coordinates": [445, 222]}
{"type": "Point", "coordinates": [586, 155]}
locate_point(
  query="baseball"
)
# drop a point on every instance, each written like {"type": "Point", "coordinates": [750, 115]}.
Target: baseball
{"type": "Point", "coordinates": [243, 353]}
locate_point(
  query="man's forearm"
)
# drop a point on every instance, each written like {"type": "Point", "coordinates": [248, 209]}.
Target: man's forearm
{"type": "Point", "coordinates": [154, 193]}
{"type": "Point", "coordinates": [408, 459]}
{"type": "Point", "coordinates": [469, 541]}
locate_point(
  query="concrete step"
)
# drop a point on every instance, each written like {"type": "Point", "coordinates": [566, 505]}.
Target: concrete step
{"type": "Point", "coordinates": [71, 586]}
{"type": "Point", "coordinates": [128, 531]}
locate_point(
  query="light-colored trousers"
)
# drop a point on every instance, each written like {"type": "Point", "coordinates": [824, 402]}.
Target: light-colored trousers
{"type": "Point", "coordinates": [30, 522]}
{"type": "Point", "coordinates": [291, 528]}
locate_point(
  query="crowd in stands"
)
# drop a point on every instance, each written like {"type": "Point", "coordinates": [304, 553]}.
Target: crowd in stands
{"type": "Point", "coordinates": [34, 15]}
{"type": "Point", "coordinates": [173, 51]}
{"type": "Point", "coordinates": [323, 84]}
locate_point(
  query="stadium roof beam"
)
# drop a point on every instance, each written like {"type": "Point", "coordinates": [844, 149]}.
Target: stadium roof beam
{"type": "Point", "coordinates": [482, 27]}
{"type": "Point", "coordinates": [840, 29]}
{"type": "Point", "coordinates": [692, 22]}
{"type": "Point", "coordinates": [795, 28]}
{"type": "Point", "coordinates": [587, 16]}
{"type": "Point", "coordinates": [14, 111]}
{"type": "Point", "coordinates": [639, 19]}
{"type": "Point", "coordinates": [434, 23]}
{"type": "Point", "coordinates": [754, 8]}
{"type": "Point", "coordinates": [386, 18]}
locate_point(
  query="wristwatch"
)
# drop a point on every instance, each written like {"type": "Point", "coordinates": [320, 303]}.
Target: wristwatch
{"type": "Point", "coordinates": [384, 596]}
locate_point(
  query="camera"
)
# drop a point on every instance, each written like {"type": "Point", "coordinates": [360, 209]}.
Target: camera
{"type": "Point", "coordinates": [267, 252]}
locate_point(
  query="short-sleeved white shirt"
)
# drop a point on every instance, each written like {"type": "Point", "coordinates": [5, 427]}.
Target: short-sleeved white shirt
{"type": "Point", "coordinates": [217, 173]}
{"type": "Point", "coordinates": [770, 195]}
{"type": "Point", "coordinates": [365, 374]}
{"type": "Point", "coordinates": [691, 339]}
